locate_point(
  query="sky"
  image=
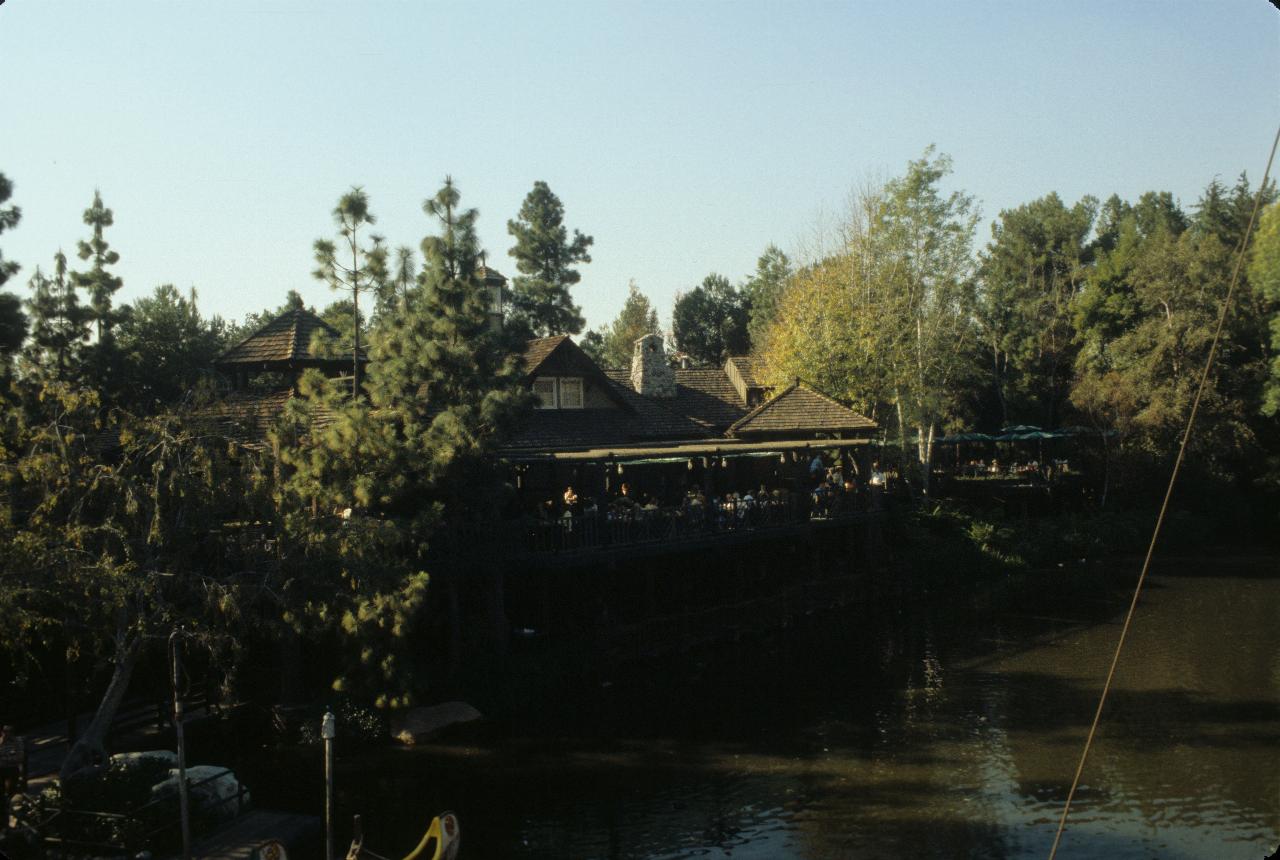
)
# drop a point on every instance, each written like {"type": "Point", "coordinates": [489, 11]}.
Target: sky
{"type": "Point", "coordinates": [684, 136]}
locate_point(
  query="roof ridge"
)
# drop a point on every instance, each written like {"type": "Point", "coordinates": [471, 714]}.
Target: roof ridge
{"type": "Point", "coordinates": [754, 412]}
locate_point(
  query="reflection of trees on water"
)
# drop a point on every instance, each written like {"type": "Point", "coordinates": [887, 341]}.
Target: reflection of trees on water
{"type": "Point", "coordinates": [934, 733]}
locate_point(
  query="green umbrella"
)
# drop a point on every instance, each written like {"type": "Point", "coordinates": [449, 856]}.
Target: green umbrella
{"type": "Point", "coordinates": [966, 437]}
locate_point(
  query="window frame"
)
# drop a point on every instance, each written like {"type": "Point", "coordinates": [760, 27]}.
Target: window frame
{"type": "Point", "coordinates": [561, 387]}
{"type": "Point", "coordinates": [554, 392]}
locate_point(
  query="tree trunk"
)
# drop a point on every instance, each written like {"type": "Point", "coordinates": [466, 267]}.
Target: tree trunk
{"type": "Point", "coordinates": [90, 746]}
{"type": "Point", "coordinates": [1106, 471]}
{"type": "Point", "coordinates": [925, 448]}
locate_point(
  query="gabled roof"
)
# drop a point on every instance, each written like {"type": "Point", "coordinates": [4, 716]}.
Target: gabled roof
{"type": "Point", "coordinates": [284, 340]}
{"type": "Point", "coordinates": [640, 419]}
{"type": "Point", "coordinates": [558, 355]}
{"type": "Point", "coordinates": [800, 409]}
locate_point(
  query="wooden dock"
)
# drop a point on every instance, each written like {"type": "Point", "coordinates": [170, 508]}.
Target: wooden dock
{"type": "Point", "coordinates": [300, 834]}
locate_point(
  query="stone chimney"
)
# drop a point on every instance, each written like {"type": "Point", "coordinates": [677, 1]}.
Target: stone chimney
{"type": "Point", "coordinates": [650, 373]}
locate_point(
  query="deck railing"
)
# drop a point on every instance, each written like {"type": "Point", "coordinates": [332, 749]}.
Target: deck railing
{"type": "Point", "coordinates": [632, 525]}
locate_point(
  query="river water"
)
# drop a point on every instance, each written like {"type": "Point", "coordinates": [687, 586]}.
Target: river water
{"type": "Point", "coordinates": [909, 728]}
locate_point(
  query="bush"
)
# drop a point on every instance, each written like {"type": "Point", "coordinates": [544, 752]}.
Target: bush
{"type": "Point", "coordinates": [355, 722]}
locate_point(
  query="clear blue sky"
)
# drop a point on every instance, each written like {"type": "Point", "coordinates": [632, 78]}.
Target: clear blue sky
{"type": "Point", "coordinates": [684, 136]}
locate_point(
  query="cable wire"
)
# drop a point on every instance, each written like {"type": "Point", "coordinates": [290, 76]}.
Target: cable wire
{"type": "Point", "coordinates": [1173, 477]}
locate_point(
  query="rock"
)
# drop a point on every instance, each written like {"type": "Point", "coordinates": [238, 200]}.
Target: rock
{"type": "Point", "coordinates": [133, 759]}
{"type": "Point", "coordinates": [213, 790]}
{"type": "Point", "coordinates": [419, 724]}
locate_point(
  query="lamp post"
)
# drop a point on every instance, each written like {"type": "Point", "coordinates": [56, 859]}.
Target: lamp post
{"type": "Point", "coordinates": [184, 798]}
{"type": "Point", "coordinates": [328, 729]}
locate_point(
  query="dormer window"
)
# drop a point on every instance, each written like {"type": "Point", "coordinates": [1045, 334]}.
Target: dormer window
{"type": "Point", "coordinates": [570, 392]}
{"type": "Point", "coordinates": [545, 389]}
{"type": "Point", "coordinates": [558, 392]}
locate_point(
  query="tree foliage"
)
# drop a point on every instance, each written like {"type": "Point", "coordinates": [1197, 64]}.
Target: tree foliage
{"type": "Point", "coordinates": [710, 321]}
{"type": "Point", "coordinates": [13, 323]}
{"type": "Point", "coordinates": [762, 291]}
{"type": "Point", "coordinates": [166, 346]}
{"type": "Point", "coordinates": [442, 388]}
{"type": "Point", "coordinates": [59, 324]}
{"type": "Point", "coordinates": [637, 318]}
{"type": "Point", "coordinates": [545, 257]}
{"type": "Point", "coordinates": [887, 322]}
{"type": "Point", "coordinates": [99, 283]}
{"type": "Point", "coordinates": [1031, 274]}
{"type": "Point", "coordinates": [102, 555]}
{"type": "Point", "coordinates": [368, 268]}
{"type": "Point", "coordinates": [1264, 274]}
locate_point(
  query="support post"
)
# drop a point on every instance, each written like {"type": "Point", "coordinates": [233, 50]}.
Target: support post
{"type": "Point", "coordinates": [184, 793]}
{"type": "Point", "coordinates": [328, 729]}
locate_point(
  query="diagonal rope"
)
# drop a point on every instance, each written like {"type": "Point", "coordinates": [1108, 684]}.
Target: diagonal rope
{"type": "Point", "coordinates": [1177, 465]}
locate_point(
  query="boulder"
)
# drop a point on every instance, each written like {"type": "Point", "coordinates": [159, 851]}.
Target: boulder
{"type": "Point", "coordinates": [419, 724]}
{"type": "Point", "coordinates": [213, 790]}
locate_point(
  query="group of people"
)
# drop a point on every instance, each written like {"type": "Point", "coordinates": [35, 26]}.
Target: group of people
{"type": "Point", "coordinates": [834, 490]}
{"type": "Point", "coordinates": [979, 468]}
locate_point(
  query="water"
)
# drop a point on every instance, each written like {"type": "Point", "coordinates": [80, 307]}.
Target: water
{"type": "Point", "coordinates": [910, 729]}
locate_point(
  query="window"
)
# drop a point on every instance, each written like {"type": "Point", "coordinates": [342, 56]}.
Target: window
{"type": "Point", "coordinates": [545, 389]}
{"type": "Point", "coordinates": [563, 392]}
{"type": "Point", "coordinates": [570, 393]}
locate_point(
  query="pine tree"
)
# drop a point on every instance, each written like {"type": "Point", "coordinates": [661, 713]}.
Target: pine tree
{"type": "Point", "coordinates": [636, 319]}
{"type": "Point", "coordinates": [167, 346]}
{"type": "Point", "coordinates": [100, 285]}
{"type": "Point", "coordinates": [13, 323]}
{"type": "Point", "coordinates": [60, 325]}
{"type": "Point", "coordinates": [545, 258]}
{"type": "Point", "coordinates": [368, 265]}
{"type": "Point", "coordinates": [443, 386]}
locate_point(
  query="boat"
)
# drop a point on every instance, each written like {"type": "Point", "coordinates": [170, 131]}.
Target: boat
{"type": "Point", "coordinates": [441, 841]}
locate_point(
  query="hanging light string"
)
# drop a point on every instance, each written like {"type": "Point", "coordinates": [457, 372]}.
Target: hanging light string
{"type": "Point", "coordinates": [1173, 477]}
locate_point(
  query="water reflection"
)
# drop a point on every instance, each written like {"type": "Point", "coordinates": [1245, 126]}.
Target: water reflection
{"type": "Point", "coordinates": [930, 732]}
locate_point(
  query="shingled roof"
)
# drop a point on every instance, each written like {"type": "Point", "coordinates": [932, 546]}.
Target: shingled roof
{"type": "Point", "coordinates": [640, 419]}
{"type": "Point", "coordinates": [246, 417]}
{"type": "Point", "coordinates": [284, 341]}
{"type": "Point", "coordinates": [800, 409]}
{"type": "Point", "coordinates": [750, 368]}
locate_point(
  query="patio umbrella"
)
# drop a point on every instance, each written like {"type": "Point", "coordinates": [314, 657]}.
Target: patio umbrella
{"type": "Point", "coordinates": [967, 437]}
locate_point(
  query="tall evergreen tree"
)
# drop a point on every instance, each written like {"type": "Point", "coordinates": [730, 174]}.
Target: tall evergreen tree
{"type": "Point", "coordinates": [368, 264]}
{"type": "Point", "coordinates": [99, 283]}
{"type": "Point", "coordinates": [636, 319]}
{"type": "Point", "coordinates": [443, 386]}
{"type": "Point", "coordinates": [103, 359]}
{"type": "Point", "coordinates": [545, 258]}
{"type": "Point", "coordinates": [13, 323]}
{"type": "Point", "coordinates": [167, 346]}
{"type": "Point", "coordinates": [710, 321]}
{"type": "Point", "coordinates": [60, 325]}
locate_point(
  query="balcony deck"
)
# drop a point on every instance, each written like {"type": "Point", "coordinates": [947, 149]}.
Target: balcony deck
{"type": "Point", "coordinates": [644, 531]}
